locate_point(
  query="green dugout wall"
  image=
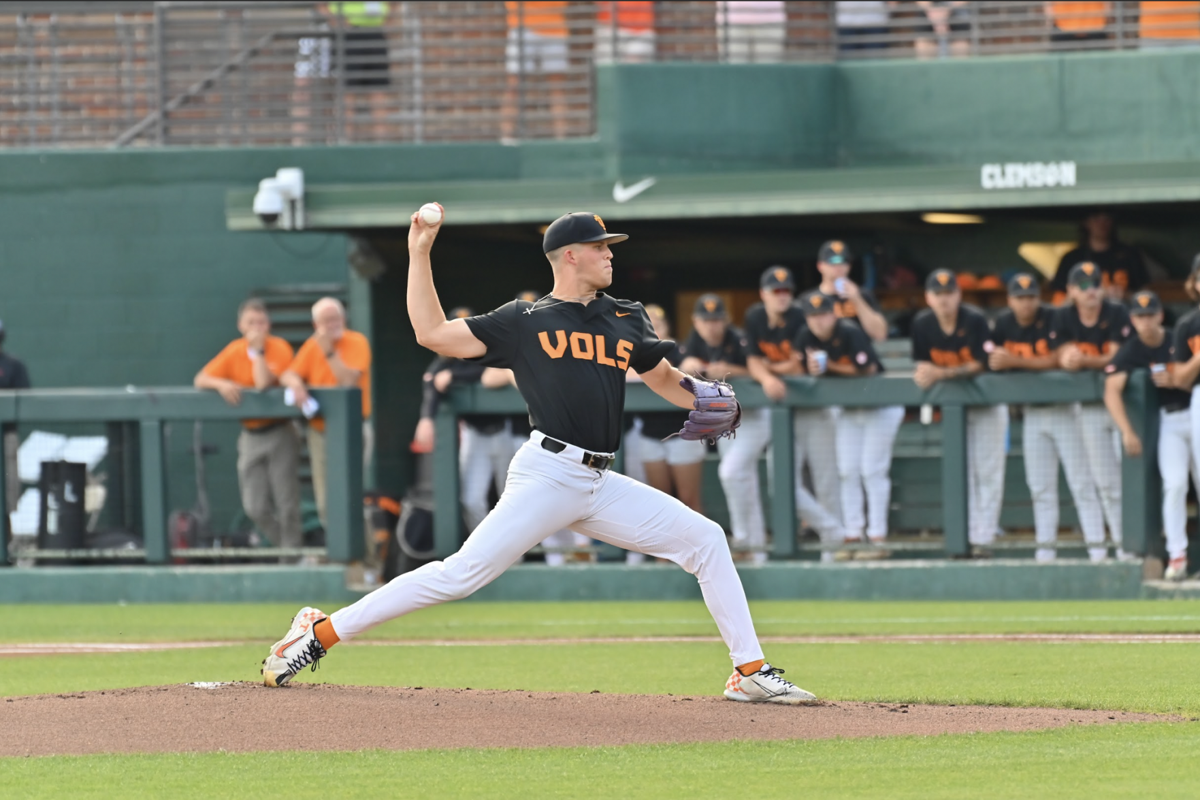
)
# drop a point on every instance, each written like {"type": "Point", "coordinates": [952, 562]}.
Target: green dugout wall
{"type": "Point", "coordinates": [123, 267]}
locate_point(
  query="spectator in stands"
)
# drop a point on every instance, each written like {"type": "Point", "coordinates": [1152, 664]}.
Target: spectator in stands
{"type": "Point", "coordinates": [862, 25]}
{"type": "Point", "coordinates": [268, 449]}
{"type": "Point", "coordinates": [949, 22]}
{"type": "Point", "coordinates": [333, 356]}
{"type": "Point", "coordinates": [624, 31]}
{"type": "Point", "coordinates": [1085, 336]}
{"type": "Point", "coordinates": [949, 342]}
{"type": "Point", "coordinates": [1168, 24]}
{"type": "Point", "coordinates": [1121, 268]}
{"type": "Point", "coordinates": [538, 50]}
{"type": "Point", "coordinates": [364, 73]}
{"type": "Point", "coordinates": [833, 346]}
{"type": "Point", "coordinates": [1078, 23]}
{"type": "Point", "coordinates": [1021, 341]}
{"type": "Point", "coordinates": [751, 31]}
{"type": "Point", "coordinates": [13, 375]}
{"type": "Point", "coordinates": [850, 302]}
{"type": "Point", "coordinates": [1153, 348]}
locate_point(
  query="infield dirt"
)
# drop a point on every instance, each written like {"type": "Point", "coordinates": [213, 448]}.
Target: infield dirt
{"type": "Point", "coordinates": [246, 717]}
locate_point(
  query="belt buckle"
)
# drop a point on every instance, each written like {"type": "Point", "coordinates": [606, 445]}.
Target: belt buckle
{"type": "Point", "coordinates": [597, 461]}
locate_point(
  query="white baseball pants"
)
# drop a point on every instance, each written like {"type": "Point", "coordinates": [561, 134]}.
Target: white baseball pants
{"type": "Point", "coordinates": [986, 430]}
{"type": "Point", "coordinates": [738, 472]}
{"type": "Point", "coordinates": [1052, 435]}
{"type": "Point", "coordinates": [482, 463]}
{"type": "Point", "coordinates": [1102, 444]}
{"type": "Point", "coordinates": [815, 433]}
{"type": "Point", "coordinates": [865, 437]}
{"type": "Point", "coordinates": [550, 491]}
{"type": "Point", "coordinates": [1175, 461]}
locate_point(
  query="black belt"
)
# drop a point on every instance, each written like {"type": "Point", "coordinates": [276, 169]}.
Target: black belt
{"type": "Point", "coordinates": [590, 460]}
{"type": "Point", "coordinates": [1171, 408]}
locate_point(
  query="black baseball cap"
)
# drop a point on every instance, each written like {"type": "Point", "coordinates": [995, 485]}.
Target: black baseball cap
{"type": "Point", "coordinates": [777, 277]}
{"type": "Point", "coordinates": [816, 303]}
{"type": "Point", "coordinates": [710, 306]}
{"type": "Point", "coordinates": [462, 312]}
{"type": "Point", "coordinates": [578, 226]}
{"type": "Point", "coordinates": [1023, 285]}
{"type": "Point", "coordinates": [835, 251]}
{"type": "Point", "coordinates": [1085, 275]}
{"type": "Point", "coordinates": [941, 280]}
{"type": "Point", "coordinates": [1145, 302]}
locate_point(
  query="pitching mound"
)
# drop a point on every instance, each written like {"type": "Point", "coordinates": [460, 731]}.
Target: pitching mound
{"type": "Point", "coordinates": [247, 717]}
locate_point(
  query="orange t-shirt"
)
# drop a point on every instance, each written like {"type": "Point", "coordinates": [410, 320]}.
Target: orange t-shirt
{"type": "Point", "coordinates": [545, 17]}
{"type": "Point", "coordinates": [233, 364]}
{"type": "Point", "coordinates": [1079, 16]}
{"type": "Point", "coordinates": [313, 368]}
{"type": "Point", "coordinates": [1169, 20]}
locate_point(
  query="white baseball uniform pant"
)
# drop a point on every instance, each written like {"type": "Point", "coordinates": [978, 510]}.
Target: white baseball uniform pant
{"type": "Point", "coordinates": [1175, 461]}
{"type": "Point", "coordinates": [482, 463]}
{"type": "Point", "coordinates": [559, 540]}
{"type": "Point", "coordinates": [738, 472]}
{"type": "Point", "coordinates": [1051, 436]}
{"type": "Point", "coordinates": [865, 437]}
{"type": "Point", "coordinates": [814, 433]}
{"type": "Point", "coordinates": [547, 492]}
{"type": "Point", "coordinates": [987, 427]}
{"type": "Point", "coordinates": [1102, 445]}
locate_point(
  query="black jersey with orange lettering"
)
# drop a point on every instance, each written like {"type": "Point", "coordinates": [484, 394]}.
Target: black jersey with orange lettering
{"type": "Point", "coordinates": [1120, 265]}
{"type": "Point", "coordinates": [570, 362]}
{"type": "Point", "coordinates": [847, 309]}
{"type": "Point", "coordinates": [1186, 337]}
{"type": "Point", "coordinates": [1024, 341]}
{"type": "Point", "coordinates": [774, 343]}
{"type": "Point", "coordinates": [848, 345]}
{"type": "Point", "coordinates": [731, 350]}
{"type": "Point", "coordinates": [1136, 354]}
{"type": "Point", "coordinates": [1112, 328]}
{"type": "Point", "coordinates": [964, 345]}
{"type": "Point", "coordinates": [461, 372]}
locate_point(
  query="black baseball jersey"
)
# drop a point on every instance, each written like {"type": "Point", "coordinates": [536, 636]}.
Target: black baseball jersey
{"type": "Point", "coordinates": [847, 309]}
{"type": "Point", "coordinates": [731, 350]}
{"type": "Point", "coordinates": [963, 346]}
{"type": "Point", "coordinates": [462, 372]}
{"type": "Point", "coordinates": [1030, 341]}
{"type": "Point", "coordinates": [570, 361]}
{"type": "Point", "coordinates": [1136, 354]}
{"type": "Point", "coordinates": [661, 424]}
{"type": "Point", "coordinates": [772, 343]}
{"type": "Point", "coordinates": [848, 345]}
{"type": "Point", "coordinates": [1186, 336]}
{"type": "Point", "coordinates": [1111, 329]}
{"type": "Point", "coordinates": [1120, 264]}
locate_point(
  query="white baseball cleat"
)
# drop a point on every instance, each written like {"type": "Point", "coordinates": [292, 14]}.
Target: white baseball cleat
{"type": "Point", "coordinates": [297, 650]}
{"type": "Point", "coordinates": [1176, 569]}
{"type": "Point", "coordinates": [765, 686]}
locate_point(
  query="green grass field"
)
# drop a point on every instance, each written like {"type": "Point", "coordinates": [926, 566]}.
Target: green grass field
{"type": "Point", "coordinates": [1118, 761]}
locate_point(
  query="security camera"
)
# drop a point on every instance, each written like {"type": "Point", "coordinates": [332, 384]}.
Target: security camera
{"type": "Point", "coordinates": [279, 201]}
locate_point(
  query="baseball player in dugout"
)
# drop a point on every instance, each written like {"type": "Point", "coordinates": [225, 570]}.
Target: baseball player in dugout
{"type": "Point", "coordinates": [333, 356]}
{"type": "Point", "coordinates": [832, 346]}
{"type": "Point", "coordinates": [1021, 341]}
{"type": "Point", "coordinates": [268, 449]}
{"type": "Point", "coordinates": [1187, 351]}
{"type": "Point", "coordinates": [1122, 270]}
{"type": "Point", "coordinates": [569, 353]}
{"type": "Point", "coordinates": [949, 342]}
{"type": "Point", "coordinates": [1086, 335]}
{"type": "Point", "coordinates": [850, 302]}
{"type": "Point", "coordinates": [771, 330]}
{"type": "Point", "coordinates": [1153, 348]}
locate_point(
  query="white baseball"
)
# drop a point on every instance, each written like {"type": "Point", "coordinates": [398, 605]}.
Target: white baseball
{"type": "Point", "coordinates": [431, 214]}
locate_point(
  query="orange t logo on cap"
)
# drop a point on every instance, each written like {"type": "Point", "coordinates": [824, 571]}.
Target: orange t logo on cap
{"type": "Point", "coordinates": [837, 247]}
{"type": "Point", "coordinates": [815, 300]}
{"type": "Point", "coordinates": [1143, 300]}
{"type": "Point", "coordinates": [710, 305]}
{"type": "Point", "coordinates": [602, 225]}
{"type": "Point", "coordinates": [781, 275]}
{"type": "Point", "coordinates": [944, 278]}
{"type": "Point", "coordinates": [1024, 281]}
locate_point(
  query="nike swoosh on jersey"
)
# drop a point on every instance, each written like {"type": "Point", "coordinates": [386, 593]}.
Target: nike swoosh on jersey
{"type": "Point", "coordinates": [623, 193]}
{"type": "Point", "coordinates": [626, 314]}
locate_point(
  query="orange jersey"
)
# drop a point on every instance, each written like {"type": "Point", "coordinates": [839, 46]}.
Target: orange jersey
{"type": "Point", "coordinates": [234, 364]}
{"type": "Point", "coordinates": [313, 368]}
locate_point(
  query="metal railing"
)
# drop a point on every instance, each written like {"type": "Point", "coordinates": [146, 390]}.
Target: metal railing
{"type": "Point", "coordinates": [242, 73]}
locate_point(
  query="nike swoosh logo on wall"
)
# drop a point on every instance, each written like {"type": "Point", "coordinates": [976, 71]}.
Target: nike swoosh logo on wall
{"type": "Point", "coordinates": [623, 193]}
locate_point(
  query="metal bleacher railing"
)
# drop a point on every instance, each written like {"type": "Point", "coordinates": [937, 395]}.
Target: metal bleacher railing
{"type": "Point", "coordinates": [119, 74]}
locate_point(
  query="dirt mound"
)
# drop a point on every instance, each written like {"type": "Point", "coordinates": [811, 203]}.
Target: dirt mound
{"type": "Point", "coordinates": [247, 717]}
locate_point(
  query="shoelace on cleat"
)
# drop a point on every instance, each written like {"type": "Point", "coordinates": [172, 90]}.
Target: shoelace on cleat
{"type": "Point", "coordinates": [773, 674]}
{"type": "Point", "coordinates": [311, 654]}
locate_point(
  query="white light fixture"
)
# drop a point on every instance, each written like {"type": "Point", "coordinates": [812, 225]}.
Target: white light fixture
{"type": "Point", "coordinates": [938, 218]}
